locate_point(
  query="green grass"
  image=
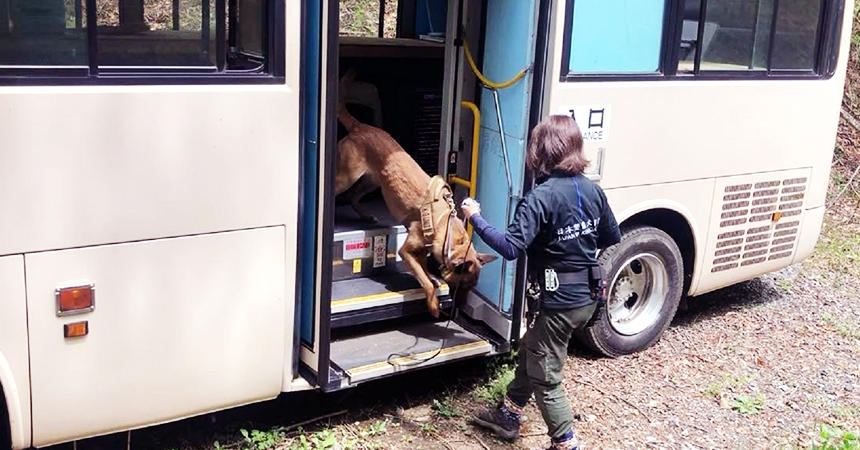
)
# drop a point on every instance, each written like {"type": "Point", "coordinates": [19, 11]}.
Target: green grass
{"type": "Point", "coordinates": [502, 373]}
{"type": "Point", "coordinates": [838, 250]}
{"type": "Point", "coordinates": [749, 405]}
{"type": "Point", "coordinates": [321, 440]}
{"type": "Point", "coordinates": [846, 412]}
{"type": "Point", "coordinates": [847, 327]}
{"type": "Point", "coordinates": [262, 440]}
{"type": "Point", "coordinates": [446, 408]}
{"type": "Point", "coordinates": [855, 37]}
{"type": "Point", "coordinates": [378, 428]}
{"type": "Point", "coordinates": [428, 428]}
{"type": "Point", "coordinates": [716, 387]}
{"type": "Point", "coordinates": [833, 438]}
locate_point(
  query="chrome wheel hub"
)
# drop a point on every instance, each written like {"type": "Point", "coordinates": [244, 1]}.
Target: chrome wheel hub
{"type": "Point", "coordinates": [637, 293]}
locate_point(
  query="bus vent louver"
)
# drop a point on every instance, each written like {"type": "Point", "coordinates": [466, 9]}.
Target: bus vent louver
{"type": "Point", "coordinates": [748, 233]}
{"type": "Point", "coordinates": [425, 129]}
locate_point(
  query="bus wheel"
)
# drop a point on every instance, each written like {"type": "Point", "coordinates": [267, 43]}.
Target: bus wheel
{"type": "Point", "coordinates": [645, 279]}
{"type": "Point", "coordinates": [5, 432]}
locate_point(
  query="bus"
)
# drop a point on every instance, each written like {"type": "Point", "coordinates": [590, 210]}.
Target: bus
{"type": "Point", "coordinates": [171, 245]}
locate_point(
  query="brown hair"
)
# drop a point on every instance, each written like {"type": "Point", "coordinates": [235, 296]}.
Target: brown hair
{"type": "Point", "coordinates": [556, 146]}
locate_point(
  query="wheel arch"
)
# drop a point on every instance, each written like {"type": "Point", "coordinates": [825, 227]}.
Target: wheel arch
{"type": "Point", "coordinates": [674, 220]}
{"type": "Point", "coordinates": [11, 420]}
{"type": "Point", "coordinates": [5, 426]}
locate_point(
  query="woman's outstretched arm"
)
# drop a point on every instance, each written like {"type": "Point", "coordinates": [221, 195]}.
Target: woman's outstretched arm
{"type": "Point", "coordinates": [494, 238]}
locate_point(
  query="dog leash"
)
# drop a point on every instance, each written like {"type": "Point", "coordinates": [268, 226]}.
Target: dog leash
{"type": "Point", "coordinates": [451, 317]}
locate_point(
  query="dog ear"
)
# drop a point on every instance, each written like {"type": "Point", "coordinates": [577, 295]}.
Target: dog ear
{"type": "Point", "coordinates": [486, 258]}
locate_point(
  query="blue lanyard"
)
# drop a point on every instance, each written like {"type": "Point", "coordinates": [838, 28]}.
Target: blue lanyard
{"type": "Point", "coordinates": [578, 199]}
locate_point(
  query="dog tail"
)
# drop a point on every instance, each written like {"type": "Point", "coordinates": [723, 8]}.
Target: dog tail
{"type": "Point", "coordinates": [343, 115]}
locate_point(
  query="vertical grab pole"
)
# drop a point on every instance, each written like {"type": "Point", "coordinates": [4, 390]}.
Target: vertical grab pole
{"type": "Point", "coordinates": [504, 144]}
{"type": "Point", "coordinates": [476, 141]}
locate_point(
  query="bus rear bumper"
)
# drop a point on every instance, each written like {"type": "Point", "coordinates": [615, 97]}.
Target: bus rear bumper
{"type": "Point", "coordinates": [810, 229]}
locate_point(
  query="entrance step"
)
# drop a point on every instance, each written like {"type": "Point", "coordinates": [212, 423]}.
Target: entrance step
{"type": "Point", "coordinates": [375, 355]}
{"type": "Point", "coordinates": [381, 297]}
{"type": "Point", "coordinates": [362, 248]}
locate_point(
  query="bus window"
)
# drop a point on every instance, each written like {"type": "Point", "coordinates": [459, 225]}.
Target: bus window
{"type": "Point", "coordinates": [795, 38]}
{"type": "Point", "coordinates": [249, 19]}
{"type": "Point", "coordinates": [616, 37]}
{"type": "Point", "coordinates": [736, 35]}
{"type": "Point", "coordinates": [156, 33]}
{"type": "Point", "coordinates": [355, 20]}
{"type": "Point", "coordinates": [42, 33]}
{"type": "Point", "coordinates": [738, 32]}
{"type": "Point", "coordinates": [185, 38]}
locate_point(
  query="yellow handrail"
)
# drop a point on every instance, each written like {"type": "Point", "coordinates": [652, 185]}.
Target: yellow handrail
{"type": "Point", "coordinates": [472, 182]}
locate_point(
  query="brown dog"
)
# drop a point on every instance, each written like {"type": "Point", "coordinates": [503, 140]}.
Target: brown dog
{"type": "Point", "coordinates": [371, 154]}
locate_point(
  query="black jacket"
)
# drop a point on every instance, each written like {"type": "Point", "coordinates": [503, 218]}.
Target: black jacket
{"type": "Point", "coordinates": [561, 224]}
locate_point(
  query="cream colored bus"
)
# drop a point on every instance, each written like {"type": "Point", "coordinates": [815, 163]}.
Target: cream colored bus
{"type": "Point", "coordinates": [170, 243]}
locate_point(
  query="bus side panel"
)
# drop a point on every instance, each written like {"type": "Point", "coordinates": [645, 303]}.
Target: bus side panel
{"type": "Point", "coordinates": [14, 369]}
{"type": "Point", "coordinates": [756, 221]}
{"type": "Point", "coordinates": [85, 166]}
{"type": "Point", "coordinates": [180, 327]}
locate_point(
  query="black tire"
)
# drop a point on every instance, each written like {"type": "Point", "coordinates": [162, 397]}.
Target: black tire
{"type": "Point", "coordinates": [641, 253]}
{"type": "Point", "coordinates": [5, 433]}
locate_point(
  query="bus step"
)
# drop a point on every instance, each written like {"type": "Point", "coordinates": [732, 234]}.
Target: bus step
{"type": "Point", "coordinates": [375, 355]}
{"type": "Point", "coordinates": [382, 297]}
{"type": "Point", "coordinates": [360, 249]}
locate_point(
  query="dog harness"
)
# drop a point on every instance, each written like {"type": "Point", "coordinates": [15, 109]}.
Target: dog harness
{"type": "Point", "coordinates": [438, 196]}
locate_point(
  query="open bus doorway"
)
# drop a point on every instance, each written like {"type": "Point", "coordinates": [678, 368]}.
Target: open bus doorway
{"type": "Point", "coordinates": [416, 86]}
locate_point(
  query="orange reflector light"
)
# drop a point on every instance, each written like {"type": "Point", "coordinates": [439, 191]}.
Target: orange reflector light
{"type": "Point", "coordinates": [75, 300]}
{"type": "Point", "coordinates": [776, 216]}
{"type": "Point", "coordinates": [76, 329]}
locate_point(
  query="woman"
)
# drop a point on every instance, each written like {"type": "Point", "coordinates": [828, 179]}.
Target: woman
{"type": "Point", "coordinates": [560, 225]}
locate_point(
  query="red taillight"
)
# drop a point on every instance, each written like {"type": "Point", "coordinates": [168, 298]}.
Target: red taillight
{"type": "Point", "coordinates": [75, 300]}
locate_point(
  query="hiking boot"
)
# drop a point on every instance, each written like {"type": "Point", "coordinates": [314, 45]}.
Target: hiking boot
{"type": "Point", "coordinates": [567, 442]}
{"type": "Point", "coordinates": [504, 422]}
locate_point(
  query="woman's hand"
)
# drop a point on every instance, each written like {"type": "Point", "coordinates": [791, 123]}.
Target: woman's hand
{"type": "Point", "coordinates": [470, 207]}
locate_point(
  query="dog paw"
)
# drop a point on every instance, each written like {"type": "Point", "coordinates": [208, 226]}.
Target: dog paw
{"type": "Point", "coordinates": [433, 308]}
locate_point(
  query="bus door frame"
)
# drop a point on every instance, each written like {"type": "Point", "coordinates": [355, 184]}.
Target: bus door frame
{"type": "Point", "coordinates": [314, 360]}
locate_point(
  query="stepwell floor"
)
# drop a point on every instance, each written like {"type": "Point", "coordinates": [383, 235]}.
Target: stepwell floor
{"type": "Point", "coordinates": [384, 352]}
{"type": "Point", "coordinates": [372, 285]}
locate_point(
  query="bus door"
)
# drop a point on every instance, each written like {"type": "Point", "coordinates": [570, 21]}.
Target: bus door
{"type": "Point", "coordinates": [509, 46]}
{"type": "Point", "coordinates": [311, 320]}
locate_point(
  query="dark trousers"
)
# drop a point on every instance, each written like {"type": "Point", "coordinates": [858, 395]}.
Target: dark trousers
{"type": "Point", "coordinates": [542, 353]}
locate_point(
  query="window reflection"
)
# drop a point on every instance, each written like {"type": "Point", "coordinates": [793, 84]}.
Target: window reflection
{"type": "Point", "coordinates": [42, 32]}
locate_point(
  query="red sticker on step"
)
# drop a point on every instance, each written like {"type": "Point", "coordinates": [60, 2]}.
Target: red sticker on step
{"type": "Point", "coordinates": [356, 248]}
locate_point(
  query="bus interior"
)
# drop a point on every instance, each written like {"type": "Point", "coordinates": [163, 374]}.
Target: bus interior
{"type": "Point", "coordinates": [417, 86]}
